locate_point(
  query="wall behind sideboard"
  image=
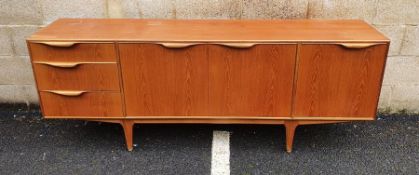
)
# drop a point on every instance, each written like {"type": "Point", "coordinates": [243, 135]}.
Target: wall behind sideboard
{"type": "Point", "coordinates": [398, 19]}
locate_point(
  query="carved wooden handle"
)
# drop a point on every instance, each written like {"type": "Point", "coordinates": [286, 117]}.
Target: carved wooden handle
{"type": "Point", "coordinates": [61, 64]}
{"type": "Point", "coordinates": [68, 93]}
{"type": "Point", "coordinates": [184, 45]}
{"type": "Point", "coordinates": [59, 44]}
{"type": "Point", "coordinates": [177, 45]}
{"type": "Point", "coordinates": [238, 45]}
{"type": "Point", "coordinates": [357, 45]}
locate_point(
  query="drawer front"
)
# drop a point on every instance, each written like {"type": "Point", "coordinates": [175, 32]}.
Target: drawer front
{"type": "Point", "coordinates": [73, 52]}
{"type": "Point", "coordinates": [253, 81]}
{"type": "Point", "coordinates": [337, 81]}
{"type": "Point", "coordinates": [76, 76]}
{"type": "Point", "coordinates": [81, 104]}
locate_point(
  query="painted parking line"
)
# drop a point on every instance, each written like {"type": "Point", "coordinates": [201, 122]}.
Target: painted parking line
{"type": "Point", "coordinates": [220, 159]}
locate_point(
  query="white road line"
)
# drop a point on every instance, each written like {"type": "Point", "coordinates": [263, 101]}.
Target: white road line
{"type": "Point", "coordinates": [220, 160]}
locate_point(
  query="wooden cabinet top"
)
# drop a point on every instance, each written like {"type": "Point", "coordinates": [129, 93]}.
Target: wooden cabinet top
{"type": "Point", "coordinates": [260, 31]}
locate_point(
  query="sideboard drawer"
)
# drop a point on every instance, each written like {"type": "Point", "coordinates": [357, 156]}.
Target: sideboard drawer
{"type": "Point", "coordinates": [77, 76]}
{"type": "Point", "coordinates": [73, 51]}
{"type": "Point", "coordinates": [80, 103]}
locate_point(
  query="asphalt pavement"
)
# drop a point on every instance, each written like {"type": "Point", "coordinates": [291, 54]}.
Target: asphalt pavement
{"type": "Point", "coordinates": [32, 145]}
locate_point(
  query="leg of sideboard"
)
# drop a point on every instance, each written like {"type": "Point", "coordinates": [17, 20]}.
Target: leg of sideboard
{"type": "Point", "coordinates": [128, 129]}
{"type": "Point", "coordinates": [290, 127]}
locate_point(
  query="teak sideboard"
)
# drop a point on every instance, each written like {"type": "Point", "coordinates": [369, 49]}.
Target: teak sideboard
{"type": "Point", "coordinates": [127, 71]}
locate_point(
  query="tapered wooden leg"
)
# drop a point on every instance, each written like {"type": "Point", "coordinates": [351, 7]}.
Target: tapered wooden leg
{"type": "Point", "coordinates": [290, 127]}
{"type": "Point", "coordinates": [128, 128]}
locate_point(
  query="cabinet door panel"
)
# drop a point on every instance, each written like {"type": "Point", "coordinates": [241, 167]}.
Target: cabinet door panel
{"type": "Point", "coordinates": [254, 81]}
{"type": "Point", "coordinates": [334, 81]}
{"type": "Point", "coordinates": [160, 81]}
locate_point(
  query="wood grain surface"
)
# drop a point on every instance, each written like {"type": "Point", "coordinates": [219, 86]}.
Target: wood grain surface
{"type": "Point", "coordinates": [162, 81]}
{"type": "Point", "coordinates": [160, 30]}
{"type": "Point", "coordinates": [95, 104]}
{"type": "Point", "coordinates": [92, 52]}
{"type": "Point", "coordinates": [90, 76]}
{"type": "Point", "coordinates": [255, 81]}
{"type": "Point", "coordinates": [208, 80]}
{"type": "Point", "coordinates": [334, 81]}
{"type": "Point", "coordinates": [291, 72]}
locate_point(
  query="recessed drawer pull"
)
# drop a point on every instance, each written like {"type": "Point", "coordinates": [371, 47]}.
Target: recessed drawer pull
{"type": "Point", "coordinates": [357, 45]}
{"type": "Point", "coordinates": [68, 93]}
{"type": "Point", "coordinates": [61, 64]}
{"type": "Point", "coordinates": [59, 44]}
{"type": "Point", "coordinates": [238, 45]}
{"type": "Point", "coordinates": [177, 45]}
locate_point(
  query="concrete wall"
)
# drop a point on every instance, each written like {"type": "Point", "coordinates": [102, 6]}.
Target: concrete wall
{"type": "Point", "coordinates": [398, 19]}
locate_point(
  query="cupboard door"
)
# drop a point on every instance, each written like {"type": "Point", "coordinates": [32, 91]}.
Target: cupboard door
{"type": "Point", "coordinates": [335, 81]}
{"type": "Point", "coordinates": [160, 81]}
{"type": "Point", "coordinates": [255, 81]}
